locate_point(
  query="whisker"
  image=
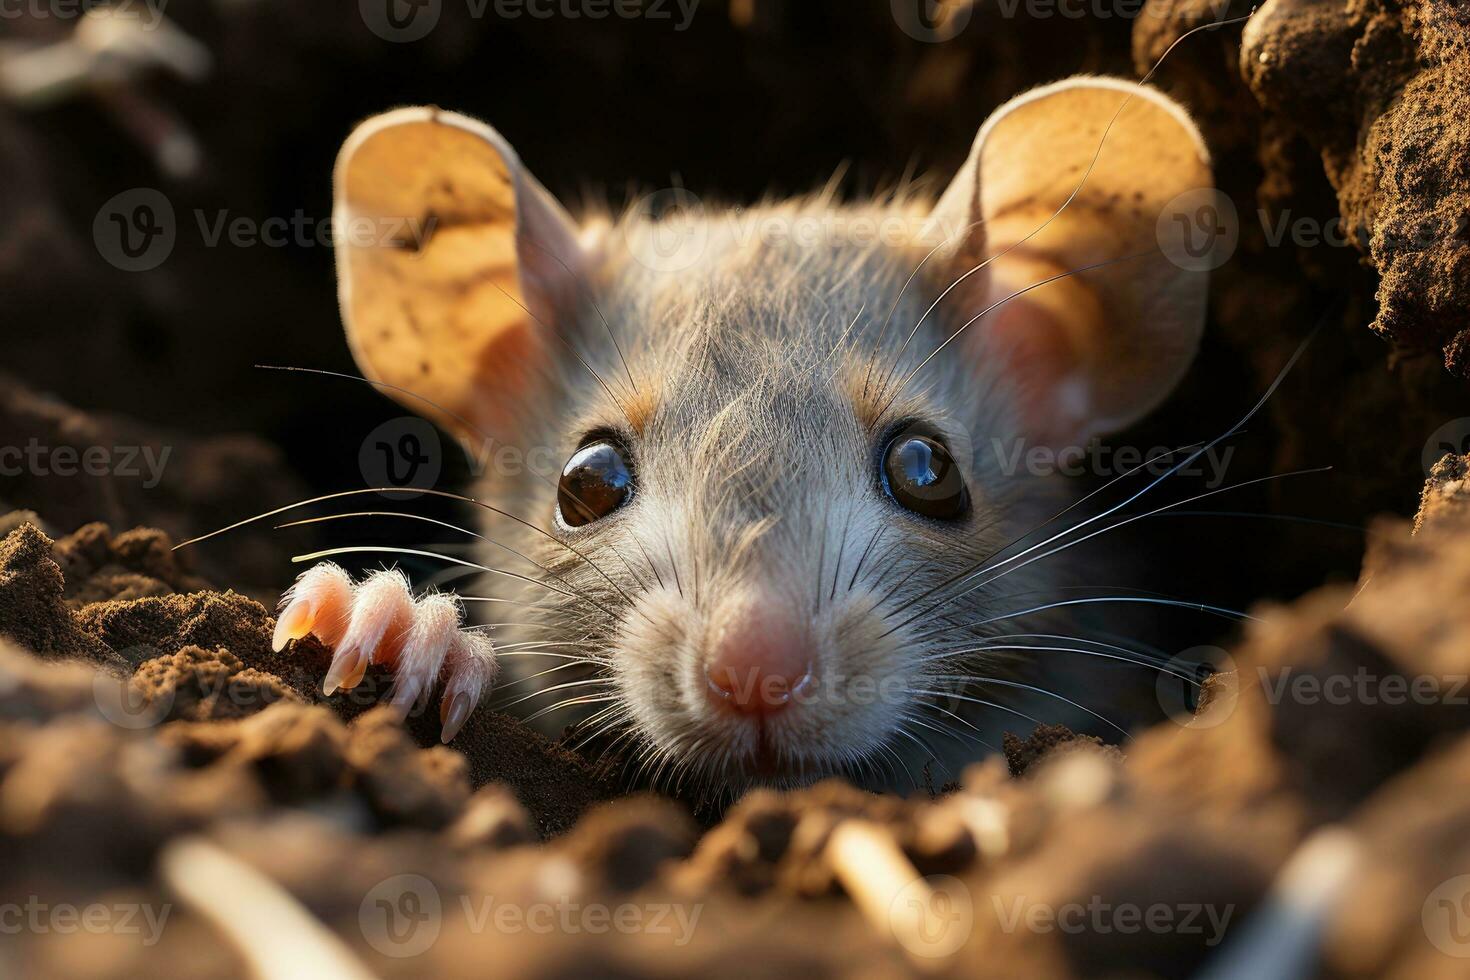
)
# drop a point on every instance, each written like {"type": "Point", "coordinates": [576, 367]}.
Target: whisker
{"type": "Point", "coordinates": [872, 540]}
{"type": "Point", "coordinates": [1130, 520]}
{"type": "Point", "coordinates": [570, 703]}
{"type": "Point", "coordinates": [1092, 164]}
{"type": "Point", "coordinates": [388, 549]}
{"type": "Point", "coordinates": [566, 685]}
{"type": "Point", "coordinates": [573, 350]}
{"type": "Point", "coordinates": [430, 492]}
{"type": "Point", "coordinates": [989, 648]}
{"type": "Point", "coordinates": [996, 305]}
{"type": "Point", "coordinates": [1042, 691]}
{"type": "Point", "coordinates": [971, 700]}
{"type": "Point", "coordinates": [587, 293]}
{"type": "Point", "coordinates": [984, 566]}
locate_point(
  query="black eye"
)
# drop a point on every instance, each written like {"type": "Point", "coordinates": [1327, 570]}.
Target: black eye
{"type": "Point", "coordinates": [595, 482]}
{"type": "Point", "coordinates": [921, 475]}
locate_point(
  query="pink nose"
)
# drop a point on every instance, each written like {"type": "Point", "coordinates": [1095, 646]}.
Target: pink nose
{"type": "Point", "coordinates": [760, 660]}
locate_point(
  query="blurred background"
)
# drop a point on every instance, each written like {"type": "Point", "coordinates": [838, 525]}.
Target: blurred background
{"type": "Point", "coordinates": [165, 190]}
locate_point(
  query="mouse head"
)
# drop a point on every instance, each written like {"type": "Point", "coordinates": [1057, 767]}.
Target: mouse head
{"type": "Point", "coordinates": [772, 537]}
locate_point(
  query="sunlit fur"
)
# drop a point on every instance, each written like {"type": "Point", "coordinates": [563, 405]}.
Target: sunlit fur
{"type": "Point", "coordinates": [759, 370]}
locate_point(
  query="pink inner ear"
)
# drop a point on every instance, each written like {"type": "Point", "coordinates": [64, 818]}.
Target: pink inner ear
{"type": "Point", "coordinates": [1043, 365]}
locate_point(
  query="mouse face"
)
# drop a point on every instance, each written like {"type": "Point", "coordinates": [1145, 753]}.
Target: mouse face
{"type": "Point", "coordinates": [763, 520]}
{"type": "Point", "coordinates": [774, 543]}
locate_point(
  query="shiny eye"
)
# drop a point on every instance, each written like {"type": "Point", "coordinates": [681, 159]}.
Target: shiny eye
{"type": "Point", "coordinates": [595, 482]}
{"type": "Point", "coordinates": [921, 475]}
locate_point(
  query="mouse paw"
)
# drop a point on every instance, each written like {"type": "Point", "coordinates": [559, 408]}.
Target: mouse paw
{"type": "Point", "coordinates": [379, 621]}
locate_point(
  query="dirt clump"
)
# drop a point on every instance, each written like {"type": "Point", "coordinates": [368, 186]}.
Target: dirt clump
{"type": "Point", "coordinates": [1046, 740]}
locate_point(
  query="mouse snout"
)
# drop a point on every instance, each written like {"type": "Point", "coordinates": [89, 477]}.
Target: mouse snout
{"type": "Point", "coordinates": [760, 658]}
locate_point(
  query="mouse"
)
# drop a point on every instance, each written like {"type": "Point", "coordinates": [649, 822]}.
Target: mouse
{"type": "Point", "coordinates": [767, 540]}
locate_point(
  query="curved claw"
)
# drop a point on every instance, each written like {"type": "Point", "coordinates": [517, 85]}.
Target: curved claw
{"type": "Point", "coordinates": [379, 621]}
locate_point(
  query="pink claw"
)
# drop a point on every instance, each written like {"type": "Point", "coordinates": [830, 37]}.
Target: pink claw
{"type": "Point", "coordinates": [319, 602]}
{"type": "Point", "coordinates": [382, 614]}
{"type": "Point", "coordinates": [472, 669]}
{"type": "Point", "coordinates": [379, 621]}
{"type": "Point", "coordinates": [435, 625]}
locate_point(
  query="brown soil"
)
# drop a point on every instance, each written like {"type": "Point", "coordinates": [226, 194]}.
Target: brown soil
{"type": "Point", "coordinates": [141, 709]}
{"type": "Point", "coordinates": [206, 732]}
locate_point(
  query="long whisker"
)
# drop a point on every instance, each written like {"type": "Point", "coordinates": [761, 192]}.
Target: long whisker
{"type": "Point", "coordinates": [570, 703]}
{"type": "Point", "coordinates": [992, 647]}
{"type": "Point", "coordinates": [1091, 165]}
{"type": "Point", "coordinates": [984, 566]}
{"type": "Point", "coordinates": [1042, 691]}
{"type": "Point", "coordinates": [573, 350]}
{"type": "Point", "coordinates": [430, 492]}
{"type": "Point", "coordinates": [883, 331]}
{"type": "Point", "coordinates": [387, 549]}
{"type": "Point", "coordinates": [427, 520]}
{"type": "Point", "coordinates": [1123, 523]}
{"type": "Point", "coordinates": [587, 293]}
{"type": "Point", "coordinates": [996, 305]}
{"type": "Point", "coordinates": [988, 704]}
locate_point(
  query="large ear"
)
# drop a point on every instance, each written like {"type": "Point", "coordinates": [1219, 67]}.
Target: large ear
{"type": "Point", "coordinates": [450, 258]}
{"type": "Point", "coordinates": [1045, 192]}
